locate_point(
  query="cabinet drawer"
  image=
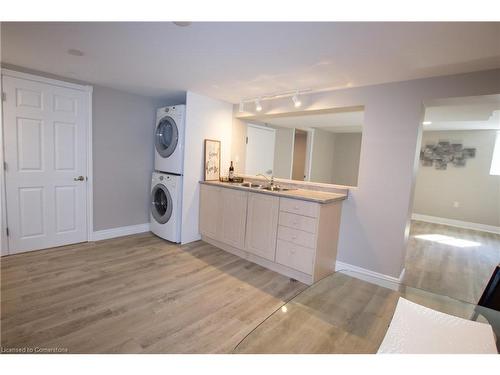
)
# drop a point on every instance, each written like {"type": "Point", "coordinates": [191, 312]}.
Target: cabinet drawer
{"type": "Point", "coordinates": [299, 207]}
{"type": "Point", "coordinates": [296, 236]}
{"type": "Point", "coordinates": [305, 223]}
{"type": "Point", "coordinates": [295, 256]}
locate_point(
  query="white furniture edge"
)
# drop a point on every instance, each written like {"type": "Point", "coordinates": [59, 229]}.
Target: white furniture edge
{"type": "Point", "coordinates": [373, 277]}
{"type": "Point", "coordinates": [4, 243]}
{"type": "Point", "coordinates": [119, 232]}
{"type": "Point", "coordinates": [456, 223]}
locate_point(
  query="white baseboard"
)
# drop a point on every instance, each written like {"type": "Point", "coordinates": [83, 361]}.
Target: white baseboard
{"type": "Point", "coordinates": [119, 232]}
{"type": "Point", "coordinates": [456, 223]}
{"type": "Point", "coordinates": [385, 281]}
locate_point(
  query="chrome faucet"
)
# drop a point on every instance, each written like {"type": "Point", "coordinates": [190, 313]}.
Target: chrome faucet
{"type": "Point", "coordinates": [270, 181]}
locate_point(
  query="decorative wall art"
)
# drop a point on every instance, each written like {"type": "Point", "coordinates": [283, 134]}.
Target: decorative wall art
{"type": "Point", "coordinates": [212, 160]}
{"type": "Point", "coordinates": [443, 153]}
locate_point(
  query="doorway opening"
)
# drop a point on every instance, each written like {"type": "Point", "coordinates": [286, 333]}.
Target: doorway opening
{"type": "Point", "coordinates": [454, 243]}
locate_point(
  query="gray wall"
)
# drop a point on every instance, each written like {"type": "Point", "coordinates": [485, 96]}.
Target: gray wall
{"type": "Point", "coordinates": [322, 156]}
{"type": "Point", "coordinates": [283, 152]}
{"type": "Point", "coordinates": [375, 219]}
{"type": "Point", "coordinates": [475, 190]}
{"type": "Point", "coordinates": [346, 154]}
{"type": "Point", "coordinates": [123, 150]}
{"type": "Point", "coordinates": [299, 155]}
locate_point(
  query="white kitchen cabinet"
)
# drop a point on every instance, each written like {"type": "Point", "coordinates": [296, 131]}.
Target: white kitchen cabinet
{"type": "Point", "coordinates": [233, 217]}
{"type": "Point", "coordinates": [262, 225]}
{"type": "Point", "coordinates": [210, 211]}
{"type": "Point", "coordinates": [292, 236]}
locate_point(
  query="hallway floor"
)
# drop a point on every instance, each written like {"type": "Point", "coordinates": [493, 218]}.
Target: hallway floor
{"type": "Point", "coordinates": [451, 261]}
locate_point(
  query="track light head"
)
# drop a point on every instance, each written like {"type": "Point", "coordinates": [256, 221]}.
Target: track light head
{"type": "Point", "coordinates": [296, 101]}
{"type": "Point", "coordinates": [258, 107]}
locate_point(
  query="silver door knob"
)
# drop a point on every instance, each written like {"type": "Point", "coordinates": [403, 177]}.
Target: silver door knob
{"type": "Point", "coordinates": [79, 178]}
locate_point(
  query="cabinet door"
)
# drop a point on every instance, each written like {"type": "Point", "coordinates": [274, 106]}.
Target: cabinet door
{"type": "Point", "coordinates": [234, 217]}
{"type": "Point", "coordinates": [262, 225]}
{"type": "Point", "coordinates": [210, 211]}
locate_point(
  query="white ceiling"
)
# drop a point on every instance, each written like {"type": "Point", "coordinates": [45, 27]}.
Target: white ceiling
{"type": "Point", "coordinates": [230, 61]}
{"type": "Point", "coordinates": [343, 122]}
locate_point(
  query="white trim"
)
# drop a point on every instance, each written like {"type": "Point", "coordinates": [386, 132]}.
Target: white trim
{"type": "Point", "coordinates": [50, 81]}
{"type": "Point", "coordinates": [293, 154]}
{"type": "Point", "coordinates": [385, 281]}
{"type": "Point", "coordinates": [310, 133]}
{"type": "Point", "coordinates": [119, 232]}
{"type": "Point", "coordinates": [4, 243]}
{"type": "Point", "coordinates": [90, 172]}
{"type": "Point", "coordinates": [456, 223]}
{"type": "Point", "coordinates": [402, 275]}
{"type": "Point", "coordinates": [90, 200]}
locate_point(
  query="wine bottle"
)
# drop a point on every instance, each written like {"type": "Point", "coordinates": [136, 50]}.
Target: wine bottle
{"type": "Point", "coordinates": [231, 172]}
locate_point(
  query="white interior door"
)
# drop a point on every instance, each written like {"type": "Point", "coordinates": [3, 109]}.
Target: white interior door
{"type": "Point", "coordinates": [260, 149]}
{"type": "Point", "coordinates": [45, 131]}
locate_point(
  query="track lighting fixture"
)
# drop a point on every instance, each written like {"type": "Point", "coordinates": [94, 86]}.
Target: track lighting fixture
{"type": "Point", "coordinates": [296, 101]}
{"type": "Point", "coordinates": [295, 95]}
{"type": "Point", "coordinates": [258, 107]}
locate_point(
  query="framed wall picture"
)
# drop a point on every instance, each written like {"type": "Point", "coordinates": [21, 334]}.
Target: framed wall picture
{"type": "Point", "coordinates": [212, 160]}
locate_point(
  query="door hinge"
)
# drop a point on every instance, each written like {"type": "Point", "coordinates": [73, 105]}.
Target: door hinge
{"type": "Point", "coordinates": [4, 96]}
{"type": "Point", "coordinates": [7, 230]}
{"type": "Point", "coordinates": [5, 166]}
{"type": "Point", "coordinates": [246, 140]}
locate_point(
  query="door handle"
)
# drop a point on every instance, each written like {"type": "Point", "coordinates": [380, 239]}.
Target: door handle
{"type": "Point", "coordinates": [79, 178]}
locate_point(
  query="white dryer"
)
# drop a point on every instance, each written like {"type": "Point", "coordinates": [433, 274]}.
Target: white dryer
{"type": "Point", "coordinates": [166, 192]}
{"type": "Point", "coordinates": [169, 139]}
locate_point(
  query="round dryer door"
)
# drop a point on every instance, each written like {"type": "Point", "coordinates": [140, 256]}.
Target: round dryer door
{"type": "Point", "coordinates": [161, 204]}
{"type": "Point", "coordinates": [166, 137]}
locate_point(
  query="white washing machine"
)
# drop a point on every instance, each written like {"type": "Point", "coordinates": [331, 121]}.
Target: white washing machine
{"type": "Point", "coordinates": [166, 193]}
{"type": "Point", "coordinates": [169, 139]}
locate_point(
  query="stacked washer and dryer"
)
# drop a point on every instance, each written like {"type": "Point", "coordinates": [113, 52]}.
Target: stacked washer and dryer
{"type": "Point", "coordinates": [166, 183]}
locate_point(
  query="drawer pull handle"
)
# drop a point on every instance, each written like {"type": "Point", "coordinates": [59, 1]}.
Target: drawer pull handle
{"type": "Point", "coordinates": [294, 237]}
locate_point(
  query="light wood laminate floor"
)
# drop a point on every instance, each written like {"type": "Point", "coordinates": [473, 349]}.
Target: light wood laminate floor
{"type": "Point", "coordinates": [443, 265]}
{"type": "Point", "coordinates": [136, 294]}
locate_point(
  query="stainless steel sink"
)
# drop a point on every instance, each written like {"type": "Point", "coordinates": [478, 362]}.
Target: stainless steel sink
{"type": "Point", "coordinates": [276, 188]}
{"type": "Point", "coordinates": [251, 185]}
{"type": "Point", "coordinates": [259, 186]}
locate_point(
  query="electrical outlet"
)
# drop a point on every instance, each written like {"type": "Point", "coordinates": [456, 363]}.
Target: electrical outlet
{"type": "Point", "coordinates": [456, 204]}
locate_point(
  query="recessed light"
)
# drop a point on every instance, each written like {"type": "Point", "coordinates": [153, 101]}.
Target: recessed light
{"type": "Point", "coordinates": [182, 24]}
{"type": "Point", "coordinates": [75, 52]}
{"type": "Point", "coordinates": [427, 123]}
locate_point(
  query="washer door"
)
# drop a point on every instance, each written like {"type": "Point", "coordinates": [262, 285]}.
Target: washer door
{"type": "Point", "coordinates": [161, 208]}
{"type": "Point", "coordinates": [167, 136]}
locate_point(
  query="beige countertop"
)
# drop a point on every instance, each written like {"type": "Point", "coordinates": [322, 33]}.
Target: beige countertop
{"type": "Point", "coordinates": [302, 194]}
